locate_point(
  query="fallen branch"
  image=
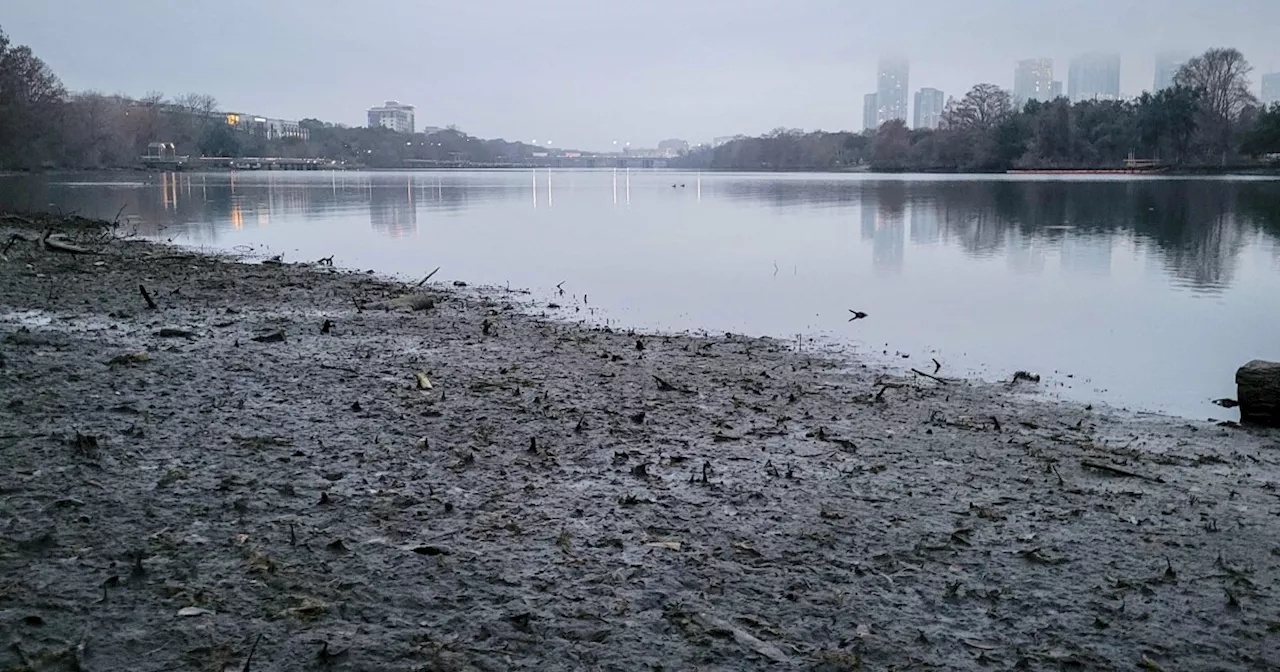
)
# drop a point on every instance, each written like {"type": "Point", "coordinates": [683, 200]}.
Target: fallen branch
{"type": "Point", "coordinates": [17, 218]}
{"type": "Point", "coordinates": [885, 385]}
{"type": "Point", "coordinates": [151, 305]}
{"type": "Point", "coordinates": [412, 302]}
{"type": "Point", "coordinates": [58, 245]}
{"type": "Point", "coordinates": [713, 624]}
{"type": "Point", "coordinates": [1116, 471]}
{"type": "Point", "coordinates": [424, 280]}
{"type": "Point", "coordinates": [929, 376]}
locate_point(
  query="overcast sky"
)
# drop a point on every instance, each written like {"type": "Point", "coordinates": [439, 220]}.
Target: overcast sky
{"type": "Point", "coordinates": [585, 72]}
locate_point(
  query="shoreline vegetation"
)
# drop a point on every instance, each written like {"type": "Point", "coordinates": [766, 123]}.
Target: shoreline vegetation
{"type": "Point", "coordinates": [1207, 123]}
{"type": "Point", "coordinates": [214, 464]}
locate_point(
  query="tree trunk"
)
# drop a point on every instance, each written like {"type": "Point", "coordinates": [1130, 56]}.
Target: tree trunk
{"type": "Point", "coordinates": [1258, 391]}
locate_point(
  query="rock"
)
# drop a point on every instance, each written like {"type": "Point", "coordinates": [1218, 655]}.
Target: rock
{"type": "Point", "coordinates": [1258, 391]}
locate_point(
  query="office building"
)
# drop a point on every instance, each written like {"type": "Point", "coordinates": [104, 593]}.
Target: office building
{"type": "Point", "coordinates": [928, 108]}
{"type": "Point", "coordinates": [869, 112]}
{"type": "Point", "coordinates": [891, 90]}
{"type": "Point", "coordinates": [393, 115]}
{"type": "Point", "coordinates": [1032, 80]}
{"type": "Point", "coordinates": [1094, 77]}
{"type": "Point", "coordinates": [1271, 88]}
{"type": "Point", "coordinates": [1055, 89]}
{"type": "Point", "coordinates": [1167, 66]}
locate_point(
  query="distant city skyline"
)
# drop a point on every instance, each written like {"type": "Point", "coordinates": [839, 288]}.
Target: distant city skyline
{"type": "Point", "coordinates": [539, 71]}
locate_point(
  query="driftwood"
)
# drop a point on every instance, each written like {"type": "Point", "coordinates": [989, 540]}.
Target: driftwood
{"type": "Point", "coordinates": [930, 376]}
{"type": "Point", "coordinates": [410, 301]}
{"type": "Point", "coordinates": [1258, 392]}
{"type": "Point", "coordinates": [58, 244]}
{"type": "Point", "coordinates": [424, 280]}
{"type": "Point", "coordinates": [151, 305]}
{"type": "Point", "coordinates": [1116, 471]}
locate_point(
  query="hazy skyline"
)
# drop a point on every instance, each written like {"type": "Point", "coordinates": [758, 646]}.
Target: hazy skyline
{"type": "Point", "coordinates": [585, 72]}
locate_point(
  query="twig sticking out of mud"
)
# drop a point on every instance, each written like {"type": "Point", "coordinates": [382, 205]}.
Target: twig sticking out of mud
{"type": "Point", "coordinates": [1116, 471]}
{"type": "Point", "coordinates": [13, 238]}
{"type": "Point", "coordinates": [937, 366]}
{"type": "Point", "coordinates": [424, 280]}
{"type": "Point", "coordinates": [249, 660]}
{"type": "Point", "coordinates": [929, 376]}
{"type": "Point", "coordinates": [151, 305]}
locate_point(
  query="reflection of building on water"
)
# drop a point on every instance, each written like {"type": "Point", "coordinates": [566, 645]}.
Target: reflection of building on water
{"type": "Point", "coordinates": [392, 211]}
{"type": "Point", "coordinates": [1025, 254]}
{"type": "Point", "coordinates": [926, 223]}
{"type": "Point", "coordinates": [885, 226]}
{"type": "Point", "coordinates": [1086, 254]}
{"type": "Point", "coordinates": [1208, 262]}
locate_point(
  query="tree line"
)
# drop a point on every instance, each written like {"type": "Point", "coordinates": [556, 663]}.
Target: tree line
{"type": "Point", "coordinates": [1208, 118]}
{"type": "Point", "coordinates": [42, 125]}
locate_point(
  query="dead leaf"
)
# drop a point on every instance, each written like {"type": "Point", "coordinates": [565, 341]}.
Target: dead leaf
{"type": "Point", "coordinates": [670, 545]}
{"type": "Point", "coordinates": [1148, 664]}
{"type": "Point", "coordinates": [423, 382]}
{"type": "Point", "coordinates": [980, 645]}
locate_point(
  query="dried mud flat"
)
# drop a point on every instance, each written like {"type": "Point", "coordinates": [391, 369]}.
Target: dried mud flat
{"type": "Point", "coordinates": [220, 483]}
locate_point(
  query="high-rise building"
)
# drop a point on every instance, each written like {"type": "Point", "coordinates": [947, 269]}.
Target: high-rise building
{"type": "Point", "coordinates": [869, 112]}
{"type": "Point", "coordinates": [1271, 88]}
{"type": "Point", "coordinates": [1094, 77]}
{"type": "Point", "coordinates": [928, 108]}
{"type": "Point", "coordinates": [891, 90]}
{"type": "Point", "coordinates": [1033, 80]}
{"type": "Point", "coordinates": [1055, 89]}
{"type": "Point", "coordinates": [1167, 65]}
{"type": "Point", "coordinates": [393, 115]}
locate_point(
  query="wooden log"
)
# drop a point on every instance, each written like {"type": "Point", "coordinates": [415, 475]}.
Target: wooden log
{"type": "Point", "coordinates": [1258, 391]}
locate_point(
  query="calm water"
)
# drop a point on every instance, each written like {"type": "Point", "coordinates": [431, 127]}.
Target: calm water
{"type": "Point", "coordinates": [1142, 292]}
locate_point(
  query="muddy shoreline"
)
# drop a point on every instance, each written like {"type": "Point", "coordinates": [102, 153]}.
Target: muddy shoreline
{"type": "Point", "coordinates": [224, 476]}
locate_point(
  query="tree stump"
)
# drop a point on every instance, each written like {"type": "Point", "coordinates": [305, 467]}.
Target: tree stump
{"type": "Point", "coordinates": [1258, 391]}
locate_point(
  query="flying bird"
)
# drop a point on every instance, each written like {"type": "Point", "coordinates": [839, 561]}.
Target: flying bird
{"type": "Point", "coordinates": [857, 315]}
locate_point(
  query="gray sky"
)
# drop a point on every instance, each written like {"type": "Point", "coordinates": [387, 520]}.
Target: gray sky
{"type": "Point", "coordinates": [585, 72]}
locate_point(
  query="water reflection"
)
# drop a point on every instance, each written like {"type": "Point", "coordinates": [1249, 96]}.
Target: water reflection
{"type": "Point", "coordinates": [1195, 230]}
{"type": "Point", "coordinates": [1197, 227]}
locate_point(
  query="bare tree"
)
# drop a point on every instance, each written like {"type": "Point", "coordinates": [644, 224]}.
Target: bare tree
{"type": "Point", "coordinates": [1222, 78]}
{"type": "Point", "coordinates": [984, 107]}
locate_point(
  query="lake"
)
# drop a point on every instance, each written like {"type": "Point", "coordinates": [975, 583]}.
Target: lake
{"type": "Point", "coordinates": [1142, 292]}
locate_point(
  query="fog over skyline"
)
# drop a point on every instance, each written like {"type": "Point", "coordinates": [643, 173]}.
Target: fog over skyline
{"type": "Point", "coordinates": [583, 73]}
